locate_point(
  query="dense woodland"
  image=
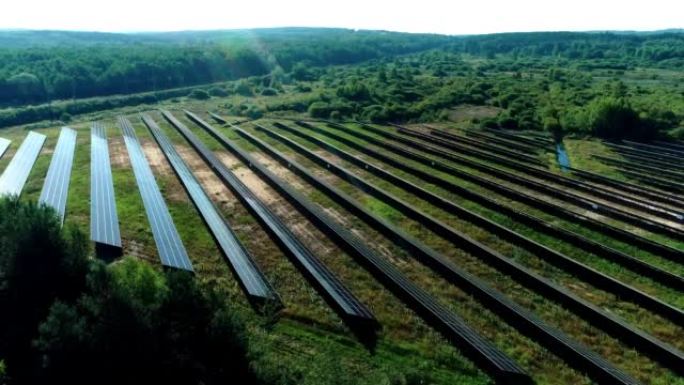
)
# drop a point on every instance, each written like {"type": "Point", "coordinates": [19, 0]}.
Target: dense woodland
{"type": "Point", "coordinates": [562, 82]}
{"type": "Point", "coordinates": [70, 319]}
{"type": "Point", "coordinates": [100, 65]}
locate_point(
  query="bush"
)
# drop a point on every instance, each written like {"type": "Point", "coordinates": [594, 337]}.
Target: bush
{"type": "Point", "coordinates": [269, 92]}
{"type": "Point", "coordinates": [677, 133]}
{"type": "Point", "coordinates": [302, 88]}
{"type": "Point", "coordinates": [218, 91]}
{"type": "Point", "coordinates": [254, 112]}
{"type": "Point", "coordinates": [243, 88]}
{"type": "Point", "coordinates": [319, 110]}
{"type": "Point", "coordinates": [199, 94]}
{"type": "Point", "coordinates": [40, 262]}
{"type": "Point", "coordinates": [162, 328]}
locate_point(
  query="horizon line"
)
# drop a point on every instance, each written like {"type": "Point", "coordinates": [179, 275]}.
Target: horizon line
{"type": "Point", "coordinates": [140, 32]}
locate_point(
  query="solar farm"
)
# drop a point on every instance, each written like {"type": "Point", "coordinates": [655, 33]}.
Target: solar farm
{"type": "Point", "coordinates": [471, 251]}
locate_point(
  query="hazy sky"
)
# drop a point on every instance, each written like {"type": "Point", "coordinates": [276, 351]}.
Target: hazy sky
{"type": "Point", "coordinates": [446, 16]}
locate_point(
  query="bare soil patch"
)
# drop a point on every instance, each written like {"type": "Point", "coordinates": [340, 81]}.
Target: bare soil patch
{"type": "Point", "coordinates": [254, 183]}
{"type": "Point", "coordinates": [118, 155]}
{"type": "Point", "coordinates": [229, 160]}
{"type": "Point", "coordinates": [156, 159]}
{"type": "Point", "coordinates": [213, 186]}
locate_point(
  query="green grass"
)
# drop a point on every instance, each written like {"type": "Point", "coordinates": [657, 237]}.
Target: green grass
{"type": "Point", "coordinates": [570, 323]}
{"type": "Point", "coordinates": [307, 328]}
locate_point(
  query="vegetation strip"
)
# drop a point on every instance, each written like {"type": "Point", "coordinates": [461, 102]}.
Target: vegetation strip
{"type": "Point", "coordinates": [656, 195]}
{"type": "Point", "coordinates": [521, 147]}
{"type": "Point", "coordinates": [651, 180]}
{"type": "Point", "coordinates": [671, 166]}
{"type": "Point", "coordinates": [640, 167]}
{"type": "Point", "coordinates": [259, 291]}
{"type": "Point", "coordinates": [477, 145]}
{"type": "Point", "coordinates": [536, 142]}
{"type": "Point", "coordinates": [586, 203]}
{"type": "Point", "coordinates": [169, 245]}
{"type": "Point", "coordinates": [648, 154]}
{"type": "Point", "coordinates": [670, 148]}
{"type": "Point", "coordinates": [579, 269]}
{"type": "Point", "coordinates": [620, 234]}
{"type": "Point", "coordinates": [553, 339]}
{"type": "Point", "coordinates": [339, 298]}
{"type": "Point", "coordinates": [499, 173]}
{"type": "Point", "coordinates": [613, 325]}
{"type": "Point", "coordinates": [486, 356]}
{"type": "Point", "coordinates": [56, 184]}
{"type": "Point", "coordinates": [589, 245]}
{"type": "Point", "coordinates": [608, 195]}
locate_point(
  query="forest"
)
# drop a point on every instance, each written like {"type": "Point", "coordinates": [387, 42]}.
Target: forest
{"type": "Point", "coordinates": [561, 82]}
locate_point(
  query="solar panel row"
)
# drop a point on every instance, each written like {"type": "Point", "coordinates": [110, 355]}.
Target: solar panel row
{"type": "Point", "coordinates": [485, 355]}
{"type": "Point", "coordinates": [56, 185]}
{"type": "Point", "coordinates": [14, 178]}
{"type": "Point", "coordinates": [553, 339]}
{"type": "Point", "coordinates": [4, 145]}
{"type": "Point", "coordinates": [169, 245]}
{"type": "Point", "coordinates": [248, 273]}
{"type": "Point", "coordinates": [340, 298]}
{"type": "Point", "coordinates": [104, 223]}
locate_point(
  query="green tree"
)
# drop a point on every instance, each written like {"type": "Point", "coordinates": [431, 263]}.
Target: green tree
{"type": "Point", "coordinates": [614, 118]}
{"type": "Point", "coordinates": [40, 262]}
{"type": "Point", "coordinates": [162, 328]}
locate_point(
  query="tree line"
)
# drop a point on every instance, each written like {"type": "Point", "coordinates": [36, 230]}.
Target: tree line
{"type": "Point", "coordinates": [139, 63]}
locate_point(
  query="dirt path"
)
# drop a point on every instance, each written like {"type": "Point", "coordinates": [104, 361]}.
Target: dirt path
{"type": "Point", "coordinates": [118, 155]}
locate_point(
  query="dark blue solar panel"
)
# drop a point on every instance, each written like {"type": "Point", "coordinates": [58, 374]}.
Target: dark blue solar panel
{"type": "Point", "coordinates": [56, 186]}
{"type": "Point", "coordinates": [250, 276]}
{"type": "Point", "coordinates": [104, 223]}
{"type": "Point", "coordinates": [14, 178]}
{"type": "Point", "coordinates": [171, 250]}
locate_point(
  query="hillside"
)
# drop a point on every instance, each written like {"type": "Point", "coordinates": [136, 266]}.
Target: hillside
{"type": "Point", "coordinates": [337, 207]}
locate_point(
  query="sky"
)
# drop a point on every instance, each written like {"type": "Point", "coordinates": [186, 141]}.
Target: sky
{"type": "Point", "coordinates": [445, 16]}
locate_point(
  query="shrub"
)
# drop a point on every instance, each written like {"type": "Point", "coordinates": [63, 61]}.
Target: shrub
{"type": "Point", "coordinates": [269, 92]}
{"type": "Point", "coordinates": [40, 262]}
{"type": "Point", "coordinates": [677, 133]}
{"type": "Point", "coordinates": [243, 88]}
{"type": "Point", "coordinates": [218, 91]}
{"type": "Point", "coordinates": [199, 94]}
{"type": "Point", "coordinates": [319, 110]}
{"type": "Point", "coordinates": [302, 88]}
{"type": "Point", "coordinates": [160, 327]}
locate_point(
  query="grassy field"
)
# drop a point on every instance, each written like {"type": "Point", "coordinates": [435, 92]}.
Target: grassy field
{"type": "Point", "coordinates": [307, 337]}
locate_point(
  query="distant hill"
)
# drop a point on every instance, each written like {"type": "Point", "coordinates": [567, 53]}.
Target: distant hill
{"type": "Point", "coordinates": [39, 66]}
{"type": "Point", "coordinates": [37, 38]}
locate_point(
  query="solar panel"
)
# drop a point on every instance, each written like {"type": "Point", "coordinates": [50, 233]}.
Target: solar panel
{"type": "Point", "coordinates": [14, 178]}
{"type": "Point", "coordinates": [56, 186]}
{"type": "Point", "coordinates": [4, 145]}
{"type": "Point", "coordinates": [340, 298]}
{"type": "Point", "coordinates": [169, 245]}
{"type": "Point", "coordinates": [104, 223]}
{"type": "Point", "coordinates": [248, 273]}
